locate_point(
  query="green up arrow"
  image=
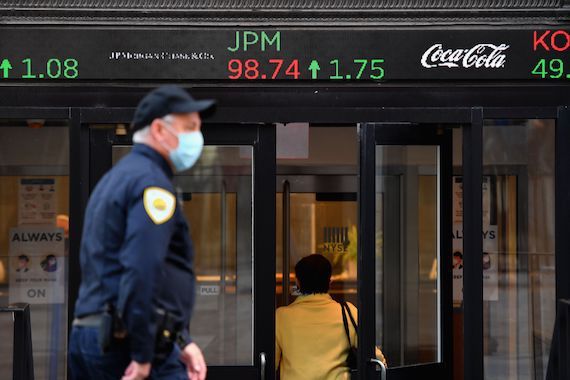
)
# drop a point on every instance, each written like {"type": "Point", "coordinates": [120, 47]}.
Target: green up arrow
{"type": "Point", "coordinates": [5, 66]}
{"type": "Point", "coordinates": [314, 68]}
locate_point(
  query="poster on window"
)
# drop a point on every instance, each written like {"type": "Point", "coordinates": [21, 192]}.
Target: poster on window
{"type": "Point", "coordinates": [458, 201]}
{"type": "Point", "coordinates": [37, 265]}
{"type": "Point", "coordinates": [37, 201]}
{"type": "Point", "coordinates": [490, 242]}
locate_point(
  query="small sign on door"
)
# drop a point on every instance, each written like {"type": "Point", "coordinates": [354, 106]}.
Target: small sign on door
{"type": "Point", "coordinates": [209, 290]}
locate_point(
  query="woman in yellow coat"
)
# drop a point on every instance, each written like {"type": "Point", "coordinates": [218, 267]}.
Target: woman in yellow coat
{"type": "Point", "coordinates": [310, 341]}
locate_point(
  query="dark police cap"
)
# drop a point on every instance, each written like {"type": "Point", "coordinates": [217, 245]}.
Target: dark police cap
{"type": "Point", "coordinates": [167, 100]}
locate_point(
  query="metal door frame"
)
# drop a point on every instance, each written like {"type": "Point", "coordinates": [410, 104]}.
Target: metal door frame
{"type": "Point", "coordinates": [470, 118]}
{"type": "Point", "coordinates": [75, 170]}
{"type": "Point", "coordinates": [60, 114]}
{"type": "Point", "coordinates": [371, 135]}
{"type": "Point", "coordinates": [96, 157]}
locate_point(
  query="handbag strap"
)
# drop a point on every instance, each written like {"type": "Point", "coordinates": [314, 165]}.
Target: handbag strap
{"type": "Point", "coordinates": [351, 317]}
{"type": "Point", "coordinates": [345, 323]}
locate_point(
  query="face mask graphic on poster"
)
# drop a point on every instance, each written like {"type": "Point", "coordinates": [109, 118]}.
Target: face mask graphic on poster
{"type": "Point", "coordinates": [37, 245]}
{"type": "Point", "coordinates": [490, 242]}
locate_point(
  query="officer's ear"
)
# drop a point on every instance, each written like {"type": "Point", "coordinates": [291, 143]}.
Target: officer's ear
{"type": "Point", "coordinates": [158, 130]}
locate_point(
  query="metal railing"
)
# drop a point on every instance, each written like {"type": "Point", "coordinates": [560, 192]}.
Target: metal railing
{"type": "Point", "coordinates": [22, 360]}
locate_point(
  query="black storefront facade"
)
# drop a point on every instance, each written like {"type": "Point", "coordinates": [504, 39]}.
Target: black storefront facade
{"type": "Point", "coordinates": [400, 113]}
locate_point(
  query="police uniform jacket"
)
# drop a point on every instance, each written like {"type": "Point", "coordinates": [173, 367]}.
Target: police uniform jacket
{"type": "Point", "coordinates": [136, 251]}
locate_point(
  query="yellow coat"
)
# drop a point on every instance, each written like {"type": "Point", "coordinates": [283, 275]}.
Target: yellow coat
{"type": "Point", "coordinates": [310, 341]}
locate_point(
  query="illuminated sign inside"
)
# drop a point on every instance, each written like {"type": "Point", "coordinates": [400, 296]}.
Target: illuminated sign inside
{"type": "Point", "coordinates": [96, 54]}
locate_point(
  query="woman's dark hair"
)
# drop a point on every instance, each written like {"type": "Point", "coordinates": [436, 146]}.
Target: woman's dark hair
{"type": "Point", "coordinates": [314, 274]}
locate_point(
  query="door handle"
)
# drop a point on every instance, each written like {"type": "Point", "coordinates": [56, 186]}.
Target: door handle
{"type": "Point", "coordinates": [382, 368]}
{"type": "Point", "coordinates": [262, 364]}
{"type": "Point", "coordinates": [286, 241]}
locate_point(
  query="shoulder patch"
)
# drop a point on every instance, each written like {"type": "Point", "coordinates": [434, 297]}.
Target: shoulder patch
{"type": "Point", "coordinates": [159, 204]}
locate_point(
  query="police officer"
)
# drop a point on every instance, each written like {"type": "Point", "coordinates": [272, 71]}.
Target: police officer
{"type": "Point", "coordinates": [137, 290]}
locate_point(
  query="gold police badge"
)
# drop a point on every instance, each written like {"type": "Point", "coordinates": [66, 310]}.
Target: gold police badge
{"type": "Point", "coordinates": [159, 204]}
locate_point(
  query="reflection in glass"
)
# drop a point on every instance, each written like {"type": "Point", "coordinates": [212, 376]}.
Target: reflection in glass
{"type": "Point", "coordinates": [316, 206]}
{"type": "Point", "coordinates": [407, 253]}
{"type": "Point", "coordinates": [518, 320]}
{"type": "Point", "coordinates": [217, 199]}
{"type": "Point", "coordinates": [327, 227]}
{"type": "Point", "coordinates": [34, 196]}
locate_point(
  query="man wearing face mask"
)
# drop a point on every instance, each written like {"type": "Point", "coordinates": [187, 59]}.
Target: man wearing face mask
{"type": "Point", "coordinates": [137, 291]}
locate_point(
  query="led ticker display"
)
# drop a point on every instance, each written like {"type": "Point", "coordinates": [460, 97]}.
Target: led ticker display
{"type": "Point", "coordinates": [555, 44]}
{"type": "Point", "coordinates": [53, 68]}
{"type": "Point", "coordinates": [278, 68]}
{"type": "Point", "coordinates": [335, 55]}
{"type": "Point", "coordinates": [252, 69]}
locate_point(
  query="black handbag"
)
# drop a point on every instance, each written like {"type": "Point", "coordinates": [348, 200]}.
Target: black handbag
{"type": "Point", "coordinates": [352, 358]}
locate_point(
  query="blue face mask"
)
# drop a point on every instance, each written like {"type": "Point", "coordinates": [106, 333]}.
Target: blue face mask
{"type": "Point", "coordinates": [189, 148]}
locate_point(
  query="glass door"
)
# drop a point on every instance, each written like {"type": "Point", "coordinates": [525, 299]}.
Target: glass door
{"type": "Point", "coordinates": [35, 200]}
{"type": "Point", "coordinates": [218, 198]}
{"type": "Point", "coordinates": [405, 229]}
{"type": "Point", "coordinates": [317, 209]}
